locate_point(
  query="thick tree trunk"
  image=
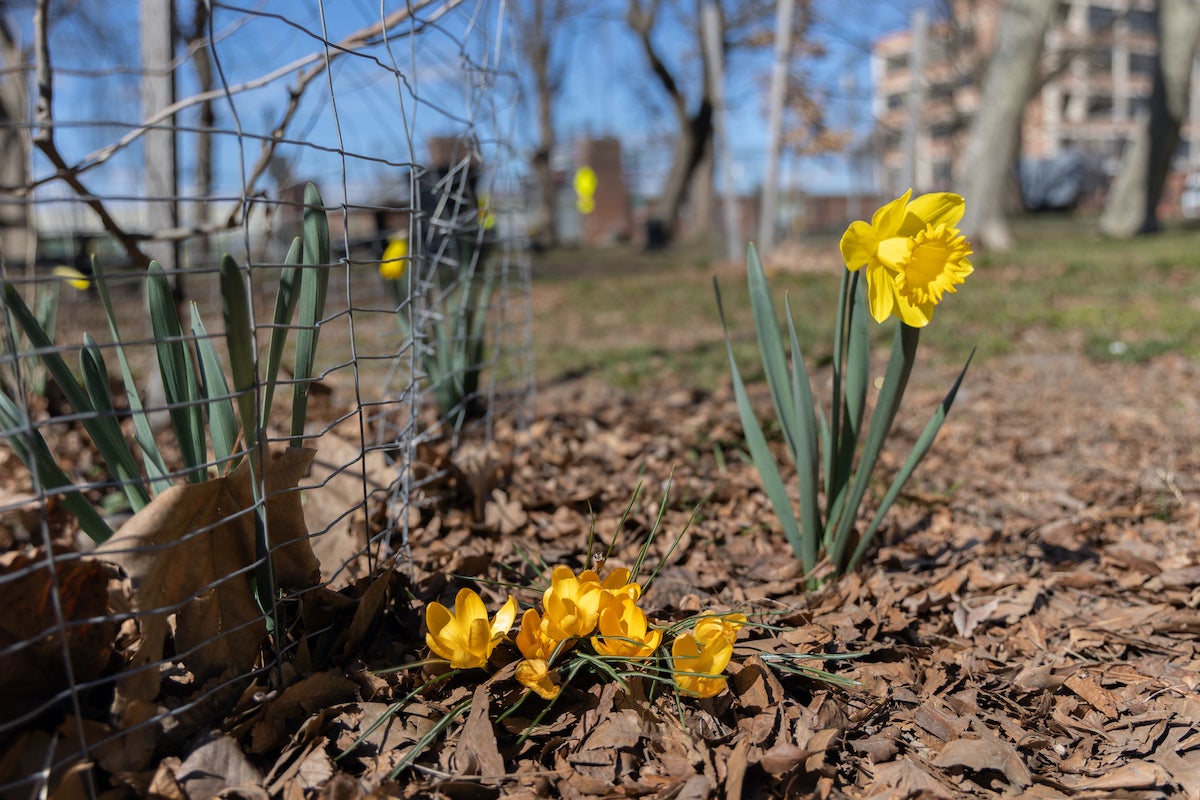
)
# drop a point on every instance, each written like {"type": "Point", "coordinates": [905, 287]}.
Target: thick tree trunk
{"type": "Point", "coordinates": [1134, 195]}
{"type": "Point", "coordinates": [691, 145]}
{"type": "Point", "coordinates": [996, 129]}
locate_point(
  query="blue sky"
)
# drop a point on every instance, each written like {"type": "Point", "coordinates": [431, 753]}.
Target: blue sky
{"type": "Point", "coordinates": [380, 106]}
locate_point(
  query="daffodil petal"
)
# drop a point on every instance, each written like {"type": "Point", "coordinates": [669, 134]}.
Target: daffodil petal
{"type": "Point", "coordinates": [888, 219]}
{"type": "Point", "coordinates": [881, 294]}
{"type": "Point", "coordinates": [914, 316]}
{"type": "Point", "coordinates": [933, 209]}
{"type": "Point", "coordinates": [858, 245]}
{"type": "Point", "coordinates": [894, 252]}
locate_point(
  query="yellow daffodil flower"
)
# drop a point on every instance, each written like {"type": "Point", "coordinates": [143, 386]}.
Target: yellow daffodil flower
{"type": "Point", "coordinates": [913, 253]}
{"type": "Point", "coordinates": [711, 626]}
{"type": "Point", "coordinates": [535, 674]}
{"type": "Point", "coordinates": [572, 605]}
{"type": "Point", "coordinates": [534, 639]}
{"type": "Point", "coordinates": [698, 666]}
{"type": "Point", "coordinates": [625, 632]}
{"type": "Point", "coordinates": [394, 261]}
{"type": "Point", "coordinates": [464, 637]}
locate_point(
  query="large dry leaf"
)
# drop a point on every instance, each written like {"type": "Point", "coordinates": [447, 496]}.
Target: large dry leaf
{"type": "Point", "coordinates": [191, 552]}
{"type": "Point", "coordinates": [32, 667]}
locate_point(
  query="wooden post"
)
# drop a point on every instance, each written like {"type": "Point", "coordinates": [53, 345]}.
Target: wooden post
{"type": "Point", "coordinates": [770, 191]}
{"type": "Point", "coordinates": [160, 165]}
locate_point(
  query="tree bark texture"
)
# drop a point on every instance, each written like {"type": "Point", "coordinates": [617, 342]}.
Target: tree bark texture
{"type": "Point", "coordinates": [996, 129]}
{"type": "Point", "coordinates": [1135, 193]}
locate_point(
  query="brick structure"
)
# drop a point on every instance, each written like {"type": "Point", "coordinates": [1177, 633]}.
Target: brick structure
{"type": "Point", "coordinates": [612, 219]}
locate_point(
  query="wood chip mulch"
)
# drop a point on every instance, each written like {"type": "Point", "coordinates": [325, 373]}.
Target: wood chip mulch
{"type": "Point", "coordinates": [1027, 625]}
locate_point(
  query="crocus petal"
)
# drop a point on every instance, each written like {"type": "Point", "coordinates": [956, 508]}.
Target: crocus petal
{"type": "Point", "coordinates": [933, 209]}
{"type": "Point", "coordinates": [535, 674]}
{"type": "Point", "coordinates": [441, 623]}
{"type": "Point", "coordinates": [505, 618]}
{"type": "Point", "coordinates": [859, 243]}
{"type": "Point", "coordinates": [468, 607]}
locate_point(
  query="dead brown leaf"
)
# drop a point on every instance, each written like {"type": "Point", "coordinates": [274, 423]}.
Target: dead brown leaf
{"type": "Point", "coordinates": [188, 553]}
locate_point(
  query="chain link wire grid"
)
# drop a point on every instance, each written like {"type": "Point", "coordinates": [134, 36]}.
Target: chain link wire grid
{"type": "Point", "coordinates": [118, 151]}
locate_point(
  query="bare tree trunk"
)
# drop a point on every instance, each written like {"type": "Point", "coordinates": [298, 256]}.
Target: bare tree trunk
{"type": "Point", "coordinates": [996, 129]}
{"type": "Point", "coordinates": [695, 130]}
{"type": "Point", "coordinates": [537, 49]}
{"type": "Point", "coordinates": [1133, 197]}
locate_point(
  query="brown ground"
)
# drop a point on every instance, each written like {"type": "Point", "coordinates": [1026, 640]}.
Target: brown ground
{"type": "Point", "coordinates": [1027, 626]}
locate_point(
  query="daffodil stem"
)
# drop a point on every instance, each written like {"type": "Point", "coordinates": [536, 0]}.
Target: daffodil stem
{"type": "Point", "coordinates": [904, 352]}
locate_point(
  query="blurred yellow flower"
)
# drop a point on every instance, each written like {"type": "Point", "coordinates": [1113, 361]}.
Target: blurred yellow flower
{"type": "Point", "coordinates": [711, 626]}
{"type": "Point", "coordinates": [913, 253]}
{"type": "Point", "coordinates": [464, 637]}
{"type": "Point", "coordinates": [698, 666]}
{"type": "Point", "coordinates": [535, 674]}
{"type": "Point", "coordinates": [73, 277]}
{"type": "Point", "coordinates": [625, 632]}
{"type": "Point", "coordinates": [534, 639]}
{"type": "Point", "coordinates": [394, 262]}
{"type": "Point", "coordinates": [572, 606]}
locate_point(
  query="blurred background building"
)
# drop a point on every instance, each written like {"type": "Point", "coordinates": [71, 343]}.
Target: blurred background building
{"type": "Point", "coordinates": [1097, 71]}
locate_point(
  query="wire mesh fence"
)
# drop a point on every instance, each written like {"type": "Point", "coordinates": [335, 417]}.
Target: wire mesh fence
{"type": "Point", "coordinates": [257, 263]}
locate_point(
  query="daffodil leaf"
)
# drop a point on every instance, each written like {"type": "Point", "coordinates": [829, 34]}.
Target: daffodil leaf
{"type": "Point", "coordinates": [895, 380]}
{"type": "Point", "coordinates": [770, 347]}
{"type": "Point", "coordinates": [924, 442]}
{"type": "Point", "coordinates": [179, 379]}
{"type": "Point", "coordinates": [221, 420]}
{"type": "Point", "coordinates": [760, 453]}
{"type": "Point", "coordinates": [31, 448]}
{"type": "Point", "coordinates": [152, 459]}
{"type": "Point", "coordinates": [286, 297]}
{"type": "Point", "coordinates": [807, 460]}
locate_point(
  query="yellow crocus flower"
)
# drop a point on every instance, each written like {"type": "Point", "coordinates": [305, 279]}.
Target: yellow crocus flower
{"type": "Point", "coordinates": [698, 666]}
{"type": "Point", "coordinates": [534, 639]}
{"type": "Point", "coordinates": [464, 637]}
{"type": "Point", "coordinates": [913, 253]}
{"type": "Point", "coordinates": [711, 626]}
{"type": "Point", "coordinates": [625, 632]}
{"type": "Point", "coordinates": [535, 674]}
{"type": "Point", "coordinates": [572, 605]}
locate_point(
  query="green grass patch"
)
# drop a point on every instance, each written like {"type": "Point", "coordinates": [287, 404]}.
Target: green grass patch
{"type": "Point", "coordinates": [632, 318]}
